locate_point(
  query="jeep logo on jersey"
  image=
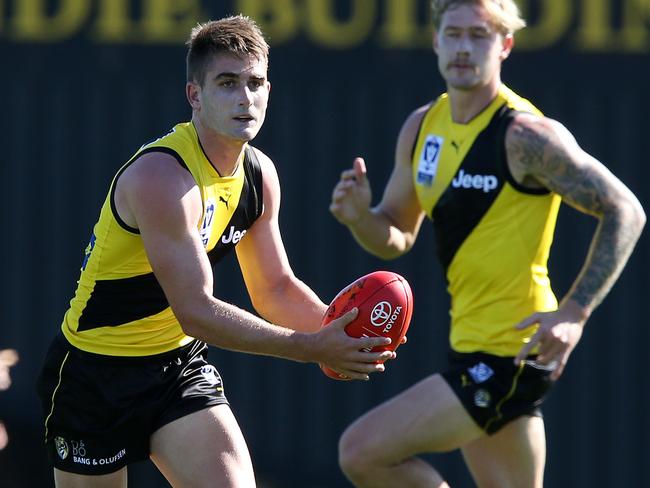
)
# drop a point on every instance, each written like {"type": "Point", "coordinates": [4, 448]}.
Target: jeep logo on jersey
{"type": "Point", "coordinates": [486, 183]}
{"type": "Point", "coordinates": [234, 236]}
{"type": "Point", "coordinates": [428, 165]}
{"type": "Point", "coordinates": [206, 225]}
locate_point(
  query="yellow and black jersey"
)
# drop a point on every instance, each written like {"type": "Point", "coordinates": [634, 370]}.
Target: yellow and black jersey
{"type": "Point", "coordinates": [119, 308]}
{"type": "Point", "coordinates": [493, 235]}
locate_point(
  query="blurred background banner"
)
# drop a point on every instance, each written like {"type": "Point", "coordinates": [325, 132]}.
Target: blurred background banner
{"type": "Point", "coordinates": [84, 83]}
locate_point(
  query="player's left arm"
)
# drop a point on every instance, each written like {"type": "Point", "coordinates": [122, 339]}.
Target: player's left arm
{"type": "Point", "coordinates": [543, 152]}
{"type": "Point", "coordinates": [276, 293]}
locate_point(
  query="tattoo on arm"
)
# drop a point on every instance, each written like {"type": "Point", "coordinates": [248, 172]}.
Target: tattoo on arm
{"type": "Point", "coordinates": [548, 153]}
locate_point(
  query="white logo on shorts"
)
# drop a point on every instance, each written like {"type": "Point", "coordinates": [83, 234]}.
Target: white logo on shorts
{"type": "Point", "coordinates": [482, 398]}
{"type": "Point", "coordinates": [480, 372]}
{"type": "Point", "coordinates": [209, 372]}
{"type": "Point", "coordinates": [62, 448]}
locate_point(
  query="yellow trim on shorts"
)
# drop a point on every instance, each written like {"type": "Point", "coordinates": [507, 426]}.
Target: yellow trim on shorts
{"type": "Point", "coordinates": [511, 392]}
{"type": "Point", "coordinates": [54, 393]}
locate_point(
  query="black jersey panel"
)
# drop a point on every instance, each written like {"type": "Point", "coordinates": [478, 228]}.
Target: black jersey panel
{"type": "Point", "coordinates": [248, 210]}
{"type": "Point", "coordinates": [117, 302]}
{"type": "Point", "coordinates": [472, 191]}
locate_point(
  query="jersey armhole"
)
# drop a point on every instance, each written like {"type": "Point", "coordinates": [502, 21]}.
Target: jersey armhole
{"type": "Point", "coordinates": [161, 149]}
{"type": "Point", "coordinates": [502, 156]}
{"type": "Point", "coordinates": [253, 171]}
{"type": "Point", "coordinates": [417, 134]}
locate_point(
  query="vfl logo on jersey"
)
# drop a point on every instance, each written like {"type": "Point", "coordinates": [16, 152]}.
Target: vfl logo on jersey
{"type": "Point", "coordinates": [234, 236]}
{"type": "Point", "coordinates": [88, 250]}
{"type": "Point", "coordinates": [206, 225]}
{"type": "Point", "coordinates": [428, 165]}
{"type": "Point", "coordinates": [487, 183]}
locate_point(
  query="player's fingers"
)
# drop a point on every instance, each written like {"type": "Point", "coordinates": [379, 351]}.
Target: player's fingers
{"type": "Point", "coordinates": [404, 340]}
{"type": "Point", "coordinates": [368, 343]}
{"type": "Point", "coordinates": [339, 195]}
{"type": "Point", "coordinates": [559, 369]}
{"type": "Point", "coordinates": [372, 357]}
{"type": "Point", "coordinates": [346, 318]}
{"type": "Point", "coordinates": [365, 368]}
{"type": "Point", "coordinates": [359, 371]}
{"type": "Point", "coordinates": [525, 351]}
{"type": "Point", "coordinates": [360, 169]}
{"type": "Point", "coordinates": [550, 350]}
{"type": "Point", "coordinates": [348, 174]}
{"type": "Point", "coordinates": [8, 357]}
{"type": "Point", "coordinates": [528, 321]}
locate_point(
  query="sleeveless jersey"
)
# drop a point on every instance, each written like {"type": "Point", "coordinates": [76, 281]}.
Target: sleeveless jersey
{"type": "Point", "coordinates": [119, 308]}
{"type": "Point", "coordinates": [493, 236]}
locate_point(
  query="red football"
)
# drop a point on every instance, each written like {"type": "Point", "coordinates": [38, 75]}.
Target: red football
{"type": "Point", "coordinates": [385, 304]}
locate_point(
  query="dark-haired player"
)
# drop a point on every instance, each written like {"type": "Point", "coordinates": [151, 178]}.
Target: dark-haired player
{"type": "Point", "coordinates": [127, 379]}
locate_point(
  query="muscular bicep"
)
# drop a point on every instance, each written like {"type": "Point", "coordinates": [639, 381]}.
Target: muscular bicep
{"type": "Point", "coordinates": [166, 205]}
{"type": "Point", "coordinates": [544, 150]}
{"type": "Point", "coordinates": [261, 253]}
{"type": "Point", "coordinates": [275, 292]}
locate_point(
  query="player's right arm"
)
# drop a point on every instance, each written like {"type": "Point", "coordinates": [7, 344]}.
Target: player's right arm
{"type": "Point", "coordinates": [161, 199]}
{"type": "Point", "coordinates": [389, 229]}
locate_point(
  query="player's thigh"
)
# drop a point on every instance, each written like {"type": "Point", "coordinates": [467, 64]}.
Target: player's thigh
{"type": "Point", "coordinates": [427, 417]}
{"type": "Point", "coordinates": [205, 448]}
{"type": "Point", "coordinates": [513, 457]}
{"type": "Point", "coordinates": [63, 479]}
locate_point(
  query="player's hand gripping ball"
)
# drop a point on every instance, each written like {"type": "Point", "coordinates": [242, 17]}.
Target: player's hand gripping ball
{"type": "Point", "coordinates": [385, 304]}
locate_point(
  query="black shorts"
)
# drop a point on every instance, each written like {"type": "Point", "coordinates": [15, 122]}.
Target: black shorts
{"type": "Point", "coordinates": [494, 390]}
{"type": "Point", "coordinates": [100, 411]}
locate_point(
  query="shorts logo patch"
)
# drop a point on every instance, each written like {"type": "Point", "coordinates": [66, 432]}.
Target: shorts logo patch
{"type": "Point", "coordinates": [62, 448]}
{"type": "Point", "coordinates": [480, 372]}
{"type": "Point", "coordinates": [209, 373]}
{"type": "Point", "coordinates": [482, 398]}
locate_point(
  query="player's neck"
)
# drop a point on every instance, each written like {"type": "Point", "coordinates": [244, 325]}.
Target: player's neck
{"type": "Point", "coordinates": [467, 104]}
{"type": "Point", "coordinates": [223, 153]}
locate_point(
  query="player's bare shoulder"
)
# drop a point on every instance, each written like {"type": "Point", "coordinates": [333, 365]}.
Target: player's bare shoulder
{"type": "Point", "coordinates": [537, 146]}
{"type": "Point", "coordinates": [413, 122]}
{"type": "Point", "coordinates": [154, 179]}
{"type": "Point", "coordinates": [409, 133]}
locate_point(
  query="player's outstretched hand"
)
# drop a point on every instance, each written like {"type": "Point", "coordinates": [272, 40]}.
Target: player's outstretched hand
{"type": "Point", "coordinates": [348, 355]}
{"type": "Point", "coordinates": [557, 336]}
{"type": "Point", "coordinates": [352, 195]}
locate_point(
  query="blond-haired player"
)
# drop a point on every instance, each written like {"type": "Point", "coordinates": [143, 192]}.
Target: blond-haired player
{"type": "Point", "coordinates": [490, 171]}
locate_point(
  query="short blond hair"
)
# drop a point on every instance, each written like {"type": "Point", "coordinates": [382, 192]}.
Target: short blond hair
{"type": "Point", "coordinates": [505, 14]}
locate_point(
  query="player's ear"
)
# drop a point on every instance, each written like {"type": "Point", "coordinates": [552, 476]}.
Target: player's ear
{"type": "Point", "coordinates": [435, 41]}
{"type": "Point", "coordinates": [192, 91]}
{"type": "Point", "coordinates": [507, 45]}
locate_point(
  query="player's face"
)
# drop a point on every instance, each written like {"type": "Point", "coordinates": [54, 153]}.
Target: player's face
{"type": "Point", "coordinates": [469, 48]}
{"type": "Point", "coordinates": [232, 101]}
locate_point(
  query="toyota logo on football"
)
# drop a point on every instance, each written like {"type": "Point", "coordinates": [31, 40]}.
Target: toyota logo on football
{"type": "Point", "coordinates": [380, 314]}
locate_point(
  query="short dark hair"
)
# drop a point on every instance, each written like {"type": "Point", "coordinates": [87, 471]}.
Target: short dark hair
{"type": "Point", "coordinates": [238, 35]}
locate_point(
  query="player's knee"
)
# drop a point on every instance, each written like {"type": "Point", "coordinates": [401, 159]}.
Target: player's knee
{"type": "Point", "coordinates": [354, 458]}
